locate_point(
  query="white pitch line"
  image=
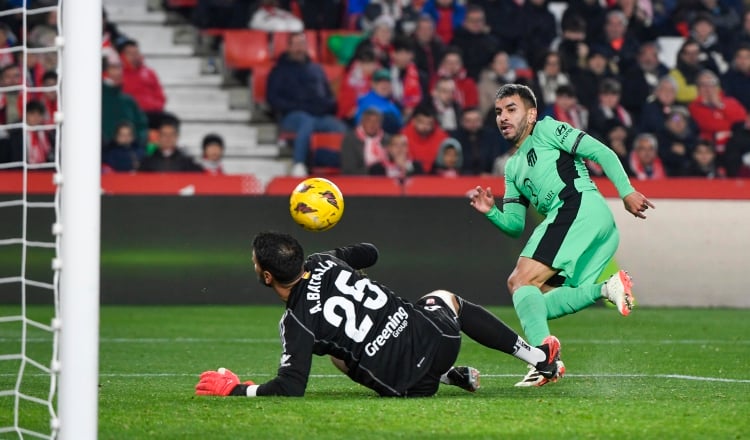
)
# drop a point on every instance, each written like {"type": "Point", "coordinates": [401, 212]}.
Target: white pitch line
{"type": "Point", "coordinates": [341, 376]}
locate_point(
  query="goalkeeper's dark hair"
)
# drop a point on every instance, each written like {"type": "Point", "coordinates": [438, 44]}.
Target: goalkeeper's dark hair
{"type": "Point", "coordinates": [520, 90]}
{"type": "Point", "coordinates": [280, 254]}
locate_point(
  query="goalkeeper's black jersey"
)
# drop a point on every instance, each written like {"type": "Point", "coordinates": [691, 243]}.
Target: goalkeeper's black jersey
{"type": "Point", "coordinates": [386, 343]}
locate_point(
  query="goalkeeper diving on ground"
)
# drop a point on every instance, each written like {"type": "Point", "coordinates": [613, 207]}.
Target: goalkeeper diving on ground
{"type": "Point", "coordinates": [378, 339]}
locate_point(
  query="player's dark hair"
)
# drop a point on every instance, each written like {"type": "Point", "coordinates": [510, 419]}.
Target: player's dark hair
{"type": "Point", "coordinates": [280, 254]}
{"type": "Point", "coordinates": [520, 90]}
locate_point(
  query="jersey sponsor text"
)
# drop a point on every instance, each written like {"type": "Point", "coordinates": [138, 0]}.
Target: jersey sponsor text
{"type": "Point", "coordinates": [393, 328]}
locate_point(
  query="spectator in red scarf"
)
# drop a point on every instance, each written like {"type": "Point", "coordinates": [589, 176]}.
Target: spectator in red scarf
{"type": "Point", "coordinates": [406, 82]}
{"type": "Point", "coordinates": [713, 112]}
{"type": "Point", "coordinates": [362, 147]}
{"type": "Point", "coordinates": [566, 108]}
{"type": "Point", "coordinates": [356, 83]}
{"type": "Point", "coordinates": [452, 66]}
{"type": "Point", "coordinates": [397, 162]}
{"type": "Point", "coordinates": [424, 135]}
{"type": "Point", "coordinates": [644, 159]}
{"type": "Point", "coordinates": [142, 83]}
{"type": "Point", "coordinates": [608, 110]}
{"type": "Point", "coordinates": [380, 40]}
{"type": "Point", "coordinates": [49, 98]}
{"type": "Point", "coordinates": [39, 146]}
{"type": "Point", "coordinates": [11, 103]}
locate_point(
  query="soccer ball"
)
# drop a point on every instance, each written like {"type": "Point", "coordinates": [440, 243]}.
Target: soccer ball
{"type": "Point", "coordinates": [316, 204]}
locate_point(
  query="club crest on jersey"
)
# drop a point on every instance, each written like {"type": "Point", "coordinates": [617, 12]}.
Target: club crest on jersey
{"type": "Point", "coordinates": [531, 157]}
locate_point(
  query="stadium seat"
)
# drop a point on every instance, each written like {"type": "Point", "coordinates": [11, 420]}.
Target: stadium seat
{"type": "Point", "coordinates": [325, 148]}
{"type": "Point", "coordinates": [280, 42]}
{"type": "Point", "coordinates": [259, 83]}
{"type": "Point", "coordinates": [335, 74]}
{"type": "Point", "coordinates": [245, 49]}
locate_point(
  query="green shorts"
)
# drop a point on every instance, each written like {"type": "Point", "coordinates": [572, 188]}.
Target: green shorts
{"type": "Point", "coordinates": [578, 239]}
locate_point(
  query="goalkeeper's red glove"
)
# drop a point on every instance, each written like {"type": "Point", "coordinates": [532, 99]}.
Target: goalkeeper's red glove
{"type": "Point", "coordinates": [218, 383]}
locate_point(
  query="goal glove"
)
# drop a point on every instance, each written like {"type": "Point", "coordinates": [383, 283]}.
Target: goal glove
{"type": "Point", "coordinates": [218, 383]}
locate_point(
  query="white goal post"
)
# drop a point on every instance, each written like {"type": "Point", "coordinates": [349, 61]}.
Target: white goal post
{"type": "Point", "coordinates": [81, 191]}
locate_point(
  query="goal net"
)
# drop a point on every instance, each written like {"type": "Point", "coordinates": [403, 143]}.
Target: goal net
{"type": "Point", "coordinates": [49, 217]}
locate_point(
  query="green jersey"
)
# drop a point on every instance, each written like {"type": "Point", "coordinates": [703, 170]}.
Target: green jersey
{"type": "Point", "coordinates": [549, 167]}
{"type": "Point", "coordinates": [549, 164]}
{"type": "Point", "coordinates": [578, 235]}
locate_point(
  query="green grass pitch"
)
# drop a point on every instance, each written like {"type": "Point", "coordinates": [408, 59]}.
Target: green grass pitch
{"type": "Point", "coordinates": [659, 373]}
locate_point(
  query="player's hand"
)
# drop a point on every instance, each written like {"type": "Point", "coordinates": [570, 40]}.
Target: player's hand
{"type": "Point", "coordinates": [636, 204]}
{"type": "Point", "coordinates": [482, 199]}
{"type": "Point", "coordinates": [217, 383]}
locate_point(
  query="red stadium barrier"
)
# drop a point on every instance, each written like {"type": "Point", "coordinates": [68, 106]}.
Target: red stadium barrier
{"type": "Point", "coordinates": [40, 182]}
{"type": "Point", "coordinates": [11, 182]}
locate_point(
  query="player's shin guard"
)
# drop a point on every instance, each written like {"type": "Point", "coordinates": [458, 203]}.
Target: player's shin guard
{"type": "Point", "coordinates": [532, 312]}
{"type": "Point", "coordinates": [566, 300]}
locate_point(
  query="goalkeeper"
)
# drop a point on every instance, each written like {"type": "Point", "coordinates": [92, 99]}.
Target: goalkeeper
{"type": "Point", "coordinates": [557, 271]}
{"type": "Point", "coordinates": [376, 338]}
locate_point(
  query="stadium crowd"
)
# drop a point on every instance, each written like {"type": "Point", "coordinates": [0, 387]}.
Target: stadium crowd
{"type": "Point", "coordinates": [416, 95]}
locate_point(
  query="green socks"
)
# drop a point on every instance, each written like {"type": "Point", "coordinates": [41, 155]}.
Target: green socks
{"type": "Point", "coordinates": [566, 300]}
{"type": "Point", "coordinates": [532, 312]}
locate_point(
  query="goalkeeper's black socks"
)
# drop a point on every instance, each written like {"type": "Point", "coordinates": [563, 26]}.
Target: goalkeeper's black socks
{"type": "Point", "coordinates": [485, 328]}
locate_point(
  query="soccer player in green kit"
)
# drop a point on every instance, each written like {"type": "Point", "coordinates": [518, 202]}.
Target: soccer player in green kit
{"type": "Point", "coordinates": [557, 271]}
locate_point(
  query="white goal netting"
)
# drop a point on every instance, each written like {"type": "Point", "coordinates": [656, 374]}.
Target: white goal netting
{"type": "Point", "coordinates": [30, 208]}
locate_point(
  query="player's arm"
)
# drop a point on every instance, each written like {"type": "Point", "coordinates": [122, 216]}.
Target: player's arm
{"type": "Point", "coordinates": [580, 143]}
{"type": "Point", "coordinates": [510, 217]}
{"type": "Point", "coordinates": [292, 375]}
{"type": "Point", "coordinates": [358, 256]}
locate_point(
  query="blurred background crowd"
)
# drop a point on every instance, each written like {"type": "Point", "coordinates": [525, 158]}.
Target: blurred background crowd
{"type": "Point", "coordinates": [405, 87]}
